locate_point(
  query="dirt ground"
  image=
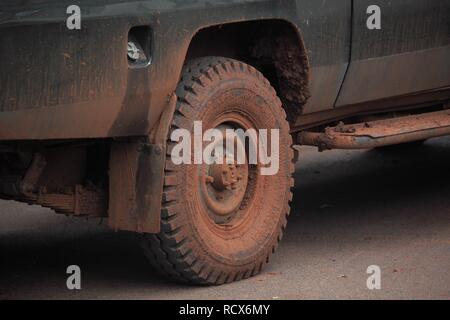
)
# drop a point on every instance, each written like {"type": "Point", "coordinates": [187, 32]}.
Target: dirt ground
{"type": "Point", "coordinates": [352, 209]}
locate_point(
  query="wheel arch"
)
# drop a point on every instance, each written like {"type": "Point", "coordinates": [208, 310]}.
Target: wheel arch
{"type": "Point", "coordinates": [273, 46]}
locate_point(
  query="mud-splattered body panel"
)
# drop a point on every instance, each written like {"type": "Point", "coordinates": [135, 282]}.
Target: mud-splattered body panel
{"type": "Point", "coordinates": [58, 83]}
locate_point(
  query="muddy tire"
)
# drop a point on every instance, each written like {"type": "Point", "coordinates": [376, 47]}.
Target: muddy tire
{"type": "Point", "coordinates": [210, 235]}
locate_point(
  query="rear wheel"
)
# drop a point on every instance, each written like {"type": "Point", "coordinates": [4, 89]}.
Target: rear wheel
{"type": "Point", "coordinates": [221, 223]}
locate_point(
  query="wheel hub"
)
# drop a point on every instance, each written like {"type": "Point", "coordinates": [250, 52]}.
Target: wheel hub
{"type": "Point", "coordinates": [226, 185]}
{"type": "Point", "coordinates": [224, 188]}
{"type": "Point", "coordinates": [225, 176]}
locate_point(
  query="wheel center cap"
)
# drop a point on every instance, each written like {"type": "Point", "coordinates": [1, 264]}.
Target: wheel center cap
{"type": "Point", "coordinates": [224, 189]}
{"type": "Point", "coordinates": [225, 176]}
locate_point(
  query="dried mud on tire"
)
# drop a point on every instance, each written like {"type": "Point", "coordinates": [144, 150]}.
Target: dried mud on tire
{"type": "Point", "coordinates": [191, 248]}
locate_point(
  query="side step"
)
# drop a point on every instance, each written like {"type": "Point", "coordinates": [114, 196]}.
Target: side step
{"type": "Point", "coordinates": [380, 133]}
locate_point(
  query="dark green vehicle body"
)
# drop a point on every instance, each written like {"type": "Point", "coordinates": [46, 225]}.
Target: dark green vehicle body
{"type": "Point", "coordinates": [58, 84]}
